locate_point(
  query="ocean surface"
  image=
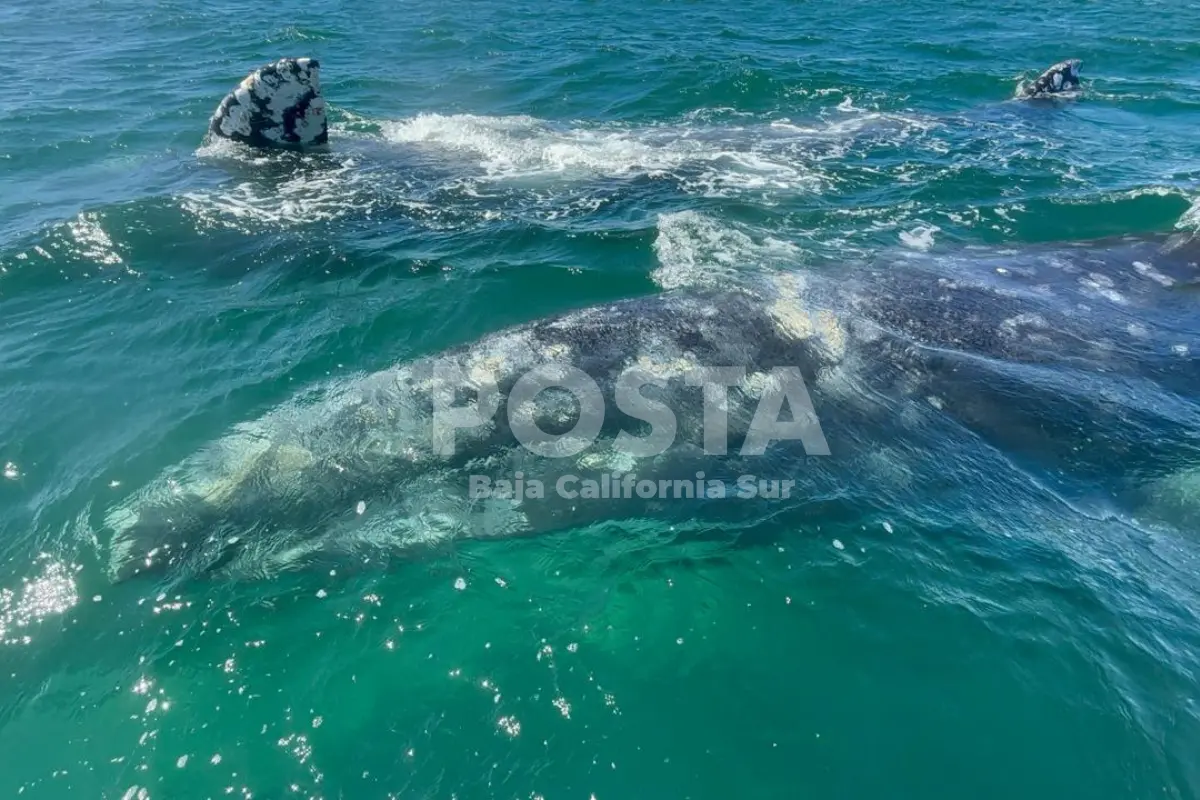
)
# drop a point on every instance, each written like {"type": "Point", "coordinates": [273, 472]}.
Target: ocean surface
{"type": "Point", "coordinates": [493, 163]}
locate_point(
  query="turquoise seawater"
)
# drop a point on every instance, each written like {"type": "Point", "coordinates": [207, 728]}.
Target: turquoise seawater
{"type": "Point", "coordinates": [494, 163]}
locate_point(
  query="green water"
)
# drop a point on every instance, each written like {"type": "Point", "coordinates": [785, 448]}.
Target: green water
{"type": "Point", "coordinates": [499, 162]}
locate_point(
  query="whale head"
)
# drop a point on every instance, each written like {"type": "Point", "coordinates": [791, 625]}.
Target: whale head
{"type": "Point", "coordinates": [1072, 69]}
{"type": "Point", "coordinates": [1061, 77]}
{"type": "Point", "coordinates": [278, 105]}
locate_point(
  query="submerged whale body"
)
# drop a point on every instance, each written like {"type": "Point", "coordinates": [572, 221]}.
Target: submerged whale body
{"type": "Point", "coordinates": [278, 105]}
{"type": "Point", "coordinates": [1054, 360]}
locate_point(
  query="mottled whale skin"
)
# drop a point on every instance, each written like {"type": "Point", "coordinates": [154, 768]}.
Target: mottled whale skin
{"type": "Point", "coordinates": [1043, 355]}
{"type": "Point", "coordinates": [277, 106]}
{"type": "Point", "coordinates": [1057, 79]}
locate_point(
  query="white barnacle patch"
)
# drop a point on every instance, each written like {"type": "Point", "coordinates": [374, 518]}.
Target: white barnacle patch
{"type": "Point", "coordinates": [1102, 286]}
{"type": "Point", "coordinates": [486, 369]}
{"type": "Point", "coordinates": [236, 120]}
{"type": "Point", "coordinates": [795, 320]}
{"type": "Point", "coordinates": [312, 124]}
{"type": "Point", "coordinates": [556, 351]}
{"type": "Point", "coordinates": [1012, 326]}
{"type": "Point", "coordinates": [1148, 271]}
{"type": "Point", "coordinates": [552, 407]}
{"type": "Point", "coordinates": [496, 358]}
{"type": "Point", "coordinates": [756, 384]}
{"type": "Point", "coordinates": [612, 460]}
{"type": "Point", "coordinates": [575, 319]}
{"type": "Point", "coordinates": [287, 94]}
{"type": "Point", "coordinates": [668, 368]}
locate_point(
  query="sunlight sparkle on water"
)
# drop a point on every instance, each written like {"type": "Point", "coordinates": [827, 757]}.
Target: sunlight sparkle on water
{"type": "Point", "coordinates": [52, 593]}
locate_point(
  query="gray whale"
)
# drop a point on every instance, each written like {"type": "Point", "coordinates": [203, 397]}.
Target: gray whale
{"type": "Point", "coordinates": [1061, 359]}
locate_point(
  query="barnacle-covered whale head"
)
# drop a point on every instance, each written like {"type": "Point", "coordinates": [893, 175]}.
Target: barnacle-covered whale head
{"type": "Point", "coordinates": [278, 105]}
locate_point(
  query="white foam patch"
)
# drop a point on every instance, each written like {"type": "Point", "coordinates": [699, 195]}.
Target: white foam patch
{"type": "Point", "coordinates": [517, 146]}
{"type": "Point", "coordinates": [709, 159]}
{"type": "Point", "coordinates": [695, 250]}
{"type": "Point", "coordinates": [313, 195]}
{"type": "Point", "coordinates": [214, 148]}
{"type": "Point", "coordinates": [920, 237]}
{"type": "Point", "coordinates": [474, 164]}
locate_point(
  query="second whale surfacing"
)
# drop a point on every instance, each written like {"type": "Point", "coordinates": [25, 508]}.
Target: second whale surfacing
{"type": "Point", "coordinates": [1056, 79]}
{"type": "Point", "coordinates": [1071, 362]}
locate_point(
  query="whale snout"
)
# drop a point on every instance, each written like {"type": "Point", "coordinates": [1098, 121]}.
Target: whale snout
{"type": "Point", "coordinates": [1059, 78]}
{"type": "Point", "coordinates": [278, 105]}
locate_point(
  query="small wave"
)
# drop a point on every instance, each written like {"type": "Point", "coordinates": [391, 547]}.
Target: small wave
{"type": "Point", "coordinates": [295, 33]}
{"type": "Point", "coordinates": [302, 200]}
{"type": "Point", "coordinates": [92, 242]}
{"type": "Point", "coordinates": [695, 250]}
{"type": "Point", "coordinates": [280, 189]}
{"type": "Point", "coordinates": [84, 245]}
